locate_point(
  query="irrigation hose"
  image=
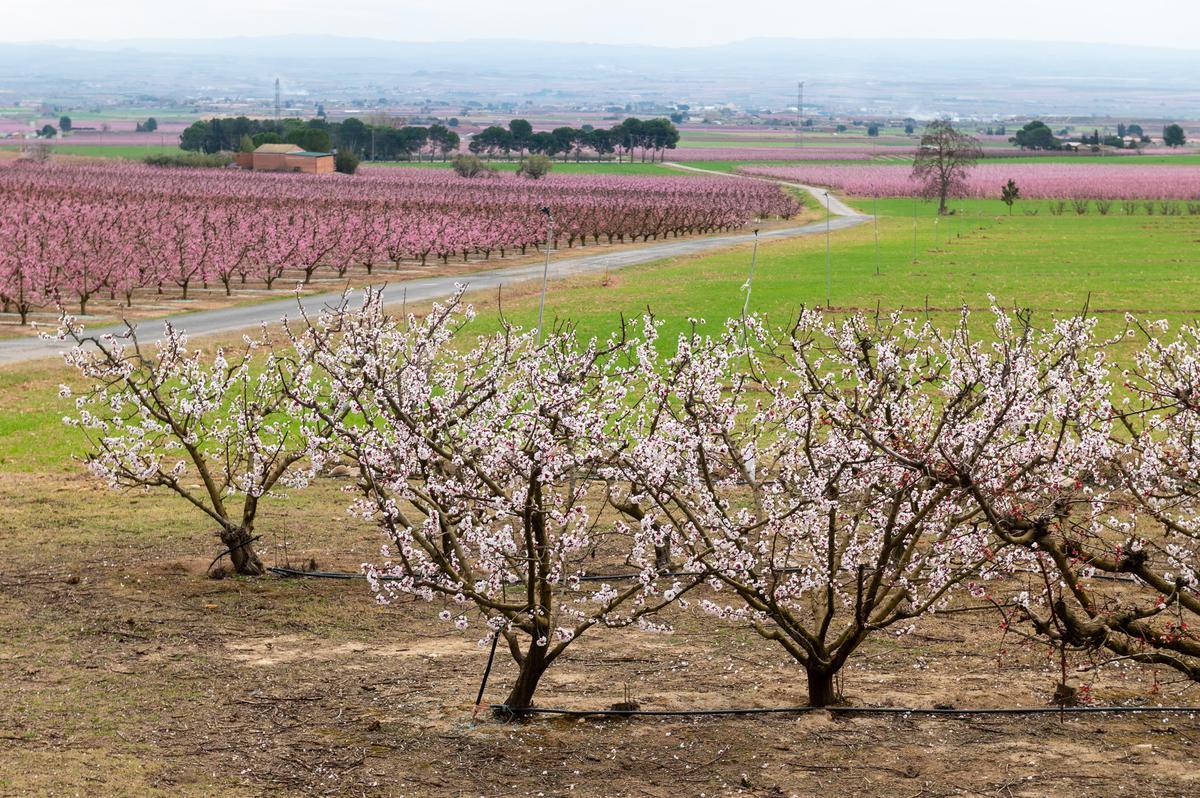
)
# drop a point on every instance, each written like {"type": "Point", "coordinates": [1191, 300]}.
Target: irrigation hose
{"type": "Point", "coordinates": [503, 710]}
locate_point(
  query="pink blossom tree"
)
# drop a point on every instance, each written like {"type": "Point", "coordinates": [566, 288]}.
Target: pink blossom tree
{"type": "Point", "coordinates": [1115, 552]}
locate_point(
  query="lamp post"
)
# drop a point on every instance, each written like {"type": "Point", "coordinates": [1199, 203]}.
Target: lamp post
{"type": "Point", "coordinates": [545, 268]}
{"type": "Point", "coordinates": [828, 303]}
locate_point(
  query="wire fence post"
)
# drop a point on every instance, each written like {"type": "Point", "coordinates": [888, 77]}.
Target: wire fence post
{"type": "Point", "coordinates": [828, 278]}
{"type": "Point", "coordinates": [875, 219]}
{"type": "Point", "coordinates": [914, 227]}
{"type": "Point", "coordinates": [545, 270]}
{"type": "Point", "coordinates": [750, 279]}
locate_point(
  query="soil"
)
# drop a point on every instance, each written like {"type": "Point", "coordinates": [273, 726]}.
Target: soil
{"type": "Point", "coordinates": [124, 671]}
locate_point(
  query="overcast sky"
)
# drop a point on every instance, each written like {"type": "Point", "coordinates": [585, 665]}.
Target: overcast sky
{"type": "Point", "coordinates": [667, 22]}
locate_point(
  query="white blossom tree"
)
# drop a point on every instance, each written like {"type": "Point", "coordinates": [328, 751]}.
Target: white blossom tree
{"type": "Point", "coordinates": [483, 464]}
{"type": "Point", "coordinates": [837, 478]}
{"type": "Point", "coordinates": [1130, 510]}
{"type": "Point", "coordinates": [209, 429]}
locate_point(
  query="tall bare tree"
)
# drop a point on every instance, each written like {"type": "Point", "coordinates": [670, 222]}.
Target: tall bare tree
{"type": "Point", "coordinates": [944, 160]}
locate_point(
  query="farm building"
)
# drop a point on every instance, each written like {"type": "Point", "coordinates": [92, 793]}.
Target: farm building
{"type": "Point", "coordinates": [286, 158]}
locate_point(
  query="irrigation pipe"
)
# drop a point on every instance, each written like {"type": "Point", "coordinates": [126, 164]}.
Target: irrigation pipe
{"type": "Point", "coordinates": [296, 572]}
{"type": "Point", "coordinates": [503, 710]}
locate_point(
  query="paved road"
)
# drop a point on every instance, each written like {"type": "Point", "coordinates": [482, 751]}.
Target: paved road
{"type": "Point", "coordinates": [836, 206]}
{"type": "Point", "coordinates": [225, 320]}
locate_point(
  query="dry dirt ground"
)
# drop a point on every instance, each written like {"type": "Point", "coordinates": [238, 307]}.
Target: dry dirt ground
{"type": "Point", "coordinates": [125, 672]}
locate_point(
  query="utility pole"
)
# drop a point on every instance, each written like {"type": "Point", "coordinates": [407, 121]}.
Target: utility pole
{"type": "Point", "coordinates": [276, 104]}
{"type": "Point", "coordinates": [800, 114]}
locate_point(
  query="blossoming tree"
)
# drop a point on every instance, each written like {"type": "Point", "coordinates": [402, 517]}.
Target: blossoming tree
{"type": "Point", "coordinates": [483, 464]}
{"type": "Point", "coordinates": [836, 477]}
{"type": "Point", "coordinates": [1118, 548]}
{"type": "Point", "coordinates": [209, 429]}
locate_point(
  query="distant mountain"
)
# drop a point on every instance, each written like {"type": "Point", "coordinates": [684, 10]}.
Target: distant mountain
{"type": "Point", "coordinates": [918, 76]}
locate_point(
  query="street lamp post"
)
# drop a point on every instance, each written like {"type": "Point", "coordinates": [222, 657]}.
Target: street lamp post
{"type": "Point", "coordinates": [545, 269]}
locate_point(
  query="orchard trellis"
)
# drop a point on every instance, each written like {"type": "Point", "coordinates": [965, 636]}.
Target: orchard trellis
{"type": "Point", "coordinates": [70, 233]}
{"type": "Point", "coordinates": [823, 483]}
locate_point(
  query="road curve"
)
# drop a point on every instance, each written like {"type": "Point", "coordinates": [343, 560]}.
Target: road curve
{"type": "Point", "coordinates": [231, 319]}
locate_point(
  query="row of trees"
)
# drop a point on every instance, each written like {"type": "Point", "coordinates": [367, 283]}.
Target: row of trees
{"type": "Point", "coordinates": [76, 231]}
{"type": "Point", "coordinates": [1036, 135]}
{"type": "Point", "coordinates": [652, 137]}
{"type": "Point", "coordinates": [228, 134]}
{"type": "Point", "coordinates": [824, 483]}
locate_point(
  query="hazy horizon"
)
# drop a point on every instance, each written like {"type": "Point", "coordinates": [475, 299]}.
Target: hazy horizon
{"type": "Point", "coordinates": [622, 22]}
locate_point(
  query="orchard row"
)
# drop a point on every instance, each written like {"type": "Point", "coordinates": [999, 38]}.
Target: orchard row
{"type": "Point", "coordinates": [71, 232]}
{"type": "Point", "coordinates": [823, 484]}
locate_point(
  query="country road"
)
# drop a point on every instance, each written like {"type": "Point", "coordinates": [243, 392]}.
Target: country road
{"type": "Point", "coordinates": [231, 319]}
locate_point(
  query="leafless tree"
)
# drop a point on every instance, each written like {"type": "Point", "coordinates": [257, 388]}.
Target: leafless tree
{"type": "Point", "coordinates": [944, 160]}
{"type": "Point", "coordinates": [35, 151]}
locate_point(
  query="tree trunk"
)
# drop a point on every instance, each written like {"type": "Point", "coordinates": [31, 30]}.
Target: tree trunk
{"type": "Point", "coordinates": [662, 557]}
{"type": "Point", "coordinates": [521, 695]}
{"type": "Point", "coordinates": [241, 551]}
{"type": "Point", "coordinates": [820, 687]}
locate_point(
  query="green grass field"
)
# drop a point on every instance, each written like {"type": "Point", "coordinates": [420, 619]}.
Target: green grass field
{"type": "Point", "coordinates": [134, 152]}
{"type": "Point", "coordinates": [1051, 264]}
{"type": "Point", "coordinates": [1048, 263]}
